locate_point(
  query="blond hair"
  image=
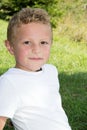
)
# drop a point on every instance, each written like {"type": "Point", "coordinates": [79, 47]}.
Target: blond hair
{"type": "Point", "coordinates": [25, 16]}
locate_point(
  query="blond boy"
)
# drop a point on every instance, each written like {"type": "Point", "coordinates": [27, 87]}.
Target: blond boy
{"type": "Point", "coordinates": [29, 92]}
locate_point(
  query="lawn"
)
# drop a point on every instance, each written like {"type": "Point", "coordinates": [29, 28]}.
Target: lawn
{"type": "Point", "coordinates": [70, 58]}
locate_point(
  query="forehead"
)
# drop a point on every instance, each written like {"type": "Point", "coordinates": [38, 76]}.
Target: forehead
{"type": "Point", "coordinates": [35, 28]}
{"type": "Point", "coordinates": [34, 31]}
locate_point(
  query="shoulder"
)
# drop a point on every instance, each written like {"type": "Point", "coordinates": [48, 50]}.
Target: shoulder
{"type": "Point", "coordinates": [9, 73]}
{"type": "Point", "coordinates": [50, 68]}
{"type": "Point", "coordinates": [5, 78]}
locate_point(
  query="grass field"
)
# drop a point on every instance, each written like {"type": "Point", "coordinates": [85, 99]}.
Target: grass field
{"type": "Point", "coordinates": [70, 58]}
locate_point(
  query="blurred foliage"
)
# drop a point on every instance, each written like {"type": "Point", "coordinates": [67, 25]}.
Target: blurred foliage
{"type": "Point", "coordinates": [9, 7]}
{"type": "Point", "coordinates": [57, 9]}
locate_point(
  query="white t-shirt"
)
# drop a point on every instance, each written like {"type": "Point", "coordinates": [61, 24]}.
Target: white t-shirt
{"type": "Point", "coordinates": [32, 99]}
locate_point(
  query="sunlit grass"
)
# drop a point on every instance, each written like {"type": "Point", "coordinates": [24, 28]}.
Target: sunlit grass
{"type": "Point", "coordinates": [69, 56]}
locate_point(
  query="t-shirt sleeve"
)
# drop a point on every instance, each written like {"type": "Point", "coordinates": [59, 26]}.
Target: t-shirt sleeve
{"type": "Point", "coordinates": [9, 100]}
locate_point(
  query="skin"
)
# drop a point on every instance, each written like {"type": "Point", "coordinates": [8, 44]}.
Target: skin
{"type": "Point", "coordinates": [2, 122]}
{"type": "Point", "coordinates": [31, 49]}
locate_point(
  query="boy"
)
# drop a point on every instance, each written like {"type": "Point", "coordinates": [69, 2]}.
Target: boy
{"type": "Point", "coordinates": [29, 92]}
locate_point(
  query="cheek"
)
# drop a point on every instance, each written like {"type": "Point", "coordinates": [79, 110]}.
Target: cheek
{"type": "Point", "coordinates": [47, 53]}
{"type": "Point", "coordinates": [20, 53]}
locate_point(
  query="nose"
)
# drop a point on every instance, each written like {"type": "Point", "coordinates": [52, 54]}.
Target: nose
{"type": "Point", "coordinates": [36, 48]}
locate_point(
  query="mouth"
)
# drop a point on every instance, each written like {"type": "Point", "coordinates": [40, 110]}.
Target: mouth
{"type": "Point", "coordinates": [36, 59]}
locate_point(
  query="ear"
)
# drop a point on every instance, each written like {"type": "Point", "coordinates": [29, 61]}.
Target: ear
{"type": "Point", "coordinates": [9, 47]}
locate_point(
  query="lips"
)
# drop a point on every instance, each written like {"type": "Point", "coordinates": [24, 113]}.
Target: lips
{"type": "Point", "coordinates": [33, 58]}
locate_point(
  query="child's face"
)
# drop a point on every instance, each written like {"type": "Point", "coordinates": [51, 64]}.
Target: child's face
{"type": "Point", "coordinates": [32, 46]}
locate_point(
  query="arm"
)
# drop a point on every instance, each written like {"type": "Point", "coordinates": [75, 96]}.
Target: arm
{"type": "Point", "coordinates": [2, 122]}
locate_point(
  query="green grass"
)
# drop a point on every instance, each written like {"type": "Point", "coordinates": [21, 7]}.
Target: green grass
{"type": "Point", "coordinates": [70, 58]}
{"type": "Point", "coordinates": [6, 60]}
